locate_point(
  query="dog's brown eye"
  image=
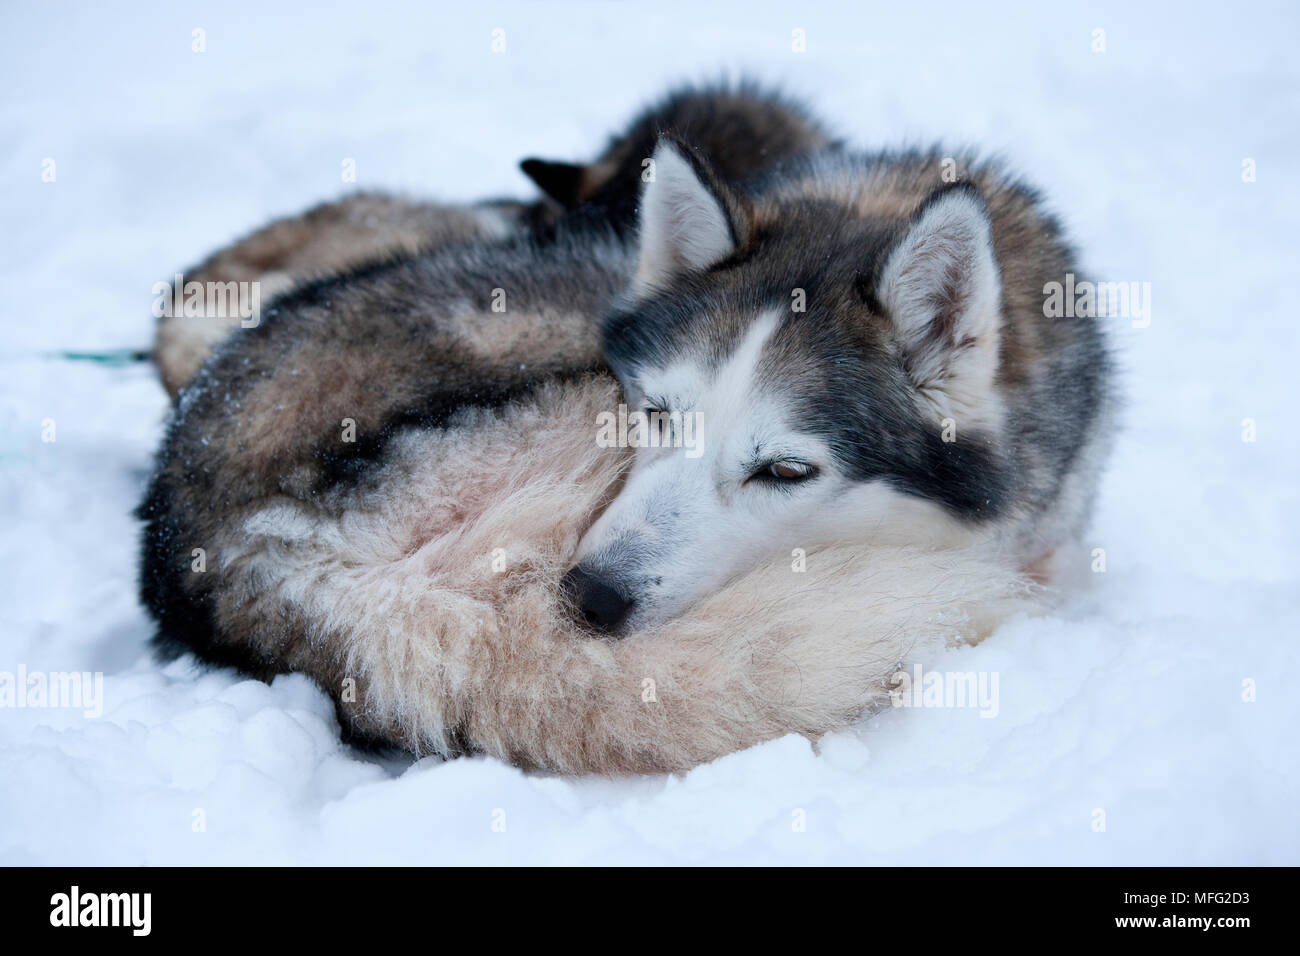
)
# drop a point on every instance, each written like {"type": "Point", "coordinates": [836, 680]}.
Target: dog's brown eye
{"type": "Point", "coordinates": [788, 471]}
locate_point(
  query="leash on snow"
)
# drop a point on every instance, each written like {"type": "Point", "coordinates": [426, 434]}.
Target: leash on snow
{"type": "Point", "coordinates": [111, 357]}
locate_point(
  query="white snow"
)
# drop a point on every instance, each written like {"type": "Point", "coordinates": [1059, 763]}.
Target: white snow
{"type": "Point", "coordinates": [1128, 701]}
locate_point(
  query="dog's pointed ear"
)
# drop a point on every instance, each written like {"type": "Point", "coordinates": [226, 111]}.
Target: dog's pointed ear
{"type": "Point", "coordinates": [562, 182]}
{"type": "Point", "coordinates": [689, 219]}
{"type": "Point", "coordinates": [941, 289]}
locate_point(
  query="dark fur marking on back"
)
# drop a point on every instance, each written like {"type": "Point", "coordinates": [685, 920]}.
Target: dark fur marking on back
{"type": "Point", "coordinates": [340, 470]}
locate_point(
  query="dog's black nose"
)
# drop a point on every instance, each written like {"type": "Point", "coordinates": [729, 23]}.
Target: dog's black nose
{"type": "Point", "coordinates": [601, 605]}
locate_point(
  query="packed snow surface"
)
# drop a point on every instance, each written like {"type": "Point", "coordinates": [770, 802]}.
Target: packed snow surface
{"type": "Point", "coordinates": [1148, 720]}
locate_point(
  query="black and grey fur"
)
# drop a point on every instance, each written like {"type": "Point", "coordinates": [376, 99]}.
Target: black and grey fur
{"type": "Point", "coordinates": [305, 407]}
{"type": "Point", "coordinates": [743, 127]}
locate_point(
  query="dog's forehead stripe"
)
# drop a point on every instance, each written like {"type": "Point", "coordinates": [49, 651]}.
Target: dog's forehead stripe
{"type": "Point", "coordinates": [730, 396]}
{"type": "Point", "coordinates": [738, 369]}
{"type": "Point", "coordinates": [720, 380]}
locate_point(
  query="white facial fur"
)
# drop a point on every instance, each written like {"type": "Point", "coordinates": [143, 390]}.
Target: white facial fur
{"type": "Point", "coordinates": [684, 523]}
{"type": "Point", "coordinates": [682, 526]}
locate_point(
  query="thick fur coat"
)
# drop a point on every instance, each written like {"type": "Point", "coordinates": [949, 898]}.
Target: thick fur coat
{"type": "Point", "coordinates": [415, 572]}
{"type": "Point", "coordinates": [384, 483]}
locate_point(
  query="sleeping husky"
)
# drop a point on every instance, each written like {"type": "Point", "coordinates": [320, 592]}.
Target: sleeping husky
{"type": "Point", "coordinates": [383, 484]}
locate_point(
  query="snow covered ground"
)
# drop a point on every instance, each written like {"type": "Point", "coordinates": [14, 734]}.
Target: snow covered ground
{"type": "Point", "coordinates": [1129, 707]}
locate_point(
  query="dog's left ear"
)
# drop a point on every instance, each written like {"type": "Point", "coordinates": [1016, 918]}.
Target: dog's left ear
{"type": "Point", "coordinates": [561, 181]}
{"type": "Point", "coordinates": [942, 291]}
{"type": "Point", "coordinates": [689, 218]}
{"type": "Point", "coordinates": [567, 183]}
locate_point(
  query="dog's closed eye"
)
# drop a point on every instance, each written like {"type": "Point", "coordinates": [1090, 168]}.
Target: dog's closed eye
{"type": "Point", "coordinates": [659, 420]}
{"type": "Point", "coordinates": [784, 472]}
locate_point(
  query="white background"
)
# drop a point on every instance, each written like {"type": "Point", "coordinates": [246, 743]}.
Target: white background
{"type": "Point", "coordinates": [1127, 700]}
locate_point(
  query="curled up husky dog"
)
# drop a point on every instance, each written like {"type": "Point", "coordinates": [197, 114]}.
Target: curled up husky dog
{"type": "Point", "coordinates": [397, 488]}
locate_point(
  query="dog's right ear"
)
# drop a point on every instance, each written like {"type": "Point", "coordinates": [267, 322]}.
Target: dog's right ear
{"type": "Point", "coordinates": [689, 219]}
{"type": "Point", "coordinates": [942, 290]}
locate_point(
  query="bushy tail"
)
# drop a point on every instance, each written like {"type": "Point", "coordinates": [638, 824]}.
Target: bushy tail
{"type": "Point", "coordinates": [440, 599]}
